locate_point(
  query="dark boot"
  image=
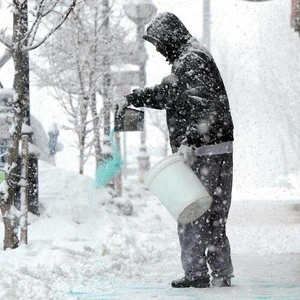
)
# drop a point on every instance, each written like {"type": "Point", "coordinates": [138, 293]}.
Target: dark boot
{"type": "Point", "coordinates": [199, 282]}
{"type": "Point", "coordinates": [221, 281]}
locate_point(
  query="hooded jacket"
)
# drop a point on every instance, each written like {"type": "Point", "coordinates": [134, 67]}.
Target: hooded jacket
{"type": "Point", "coordinates": [194, 95]}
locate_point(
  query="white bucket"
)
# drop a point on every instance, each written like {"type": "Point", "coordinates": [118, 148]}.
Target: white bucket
{"type": "Point", "coordinates": [179, 189]}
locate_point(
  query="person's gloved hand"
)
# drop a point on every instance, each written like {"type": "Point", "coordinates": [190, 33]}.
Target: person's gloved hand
{"type": "Point", "coordinates": [188, 154]}
{"type": "Point", "coordinates": [119, 104]}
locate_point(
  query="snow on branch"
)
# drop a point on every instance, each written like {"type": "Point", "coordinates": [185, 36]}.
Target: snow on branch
{"type": "Point", "coordinates": [5, 40]}
{"type": "Point", "coordinates": [36, 24]}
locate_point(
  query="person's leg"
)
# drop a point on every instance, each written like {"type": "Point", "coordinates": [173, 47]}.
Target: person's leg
{"type": "Point", "coordinates": [219, 254]}
{"type": "Point", "coordinates": [194, 239]}
{"type": "Point", "coordinates": [200, 235]}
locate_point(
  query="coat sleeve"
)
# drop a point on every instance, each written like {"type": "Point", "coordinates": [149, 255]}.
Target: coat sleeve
{"type": "Point", "coordinates": [151, 97]}
{"type": "Point", "coordinates": [197, 91]}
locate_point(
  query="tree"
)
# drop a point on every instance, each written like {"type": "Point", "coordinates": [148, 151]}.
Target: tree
{"type": "Point", "coordinates": [80, 75]}
{"type": "Point", "coordinates": [158, 119]}
{"type": "Point", "coordinates": [24, 39]}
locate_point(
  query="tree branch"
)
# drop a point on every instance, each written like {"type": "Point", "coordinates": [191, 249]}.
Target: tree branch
{"type": "Point", "coordinates": [5, 57]}
{"type": "Point", "coordinates": [34, 26]}
{"type": "Point", "coordinates": [88, 155]}
{"type": "Point", "coordinates": [44, 14]}
{"type": "Point", "coordinates": [64, 17]}
{"type": "Point", "coordinates": [5, 40]}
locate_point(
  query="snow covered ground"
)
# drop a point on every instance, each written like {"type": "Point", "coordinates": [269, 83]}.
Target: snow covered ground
{"type": "Point", "coordinates": [81, 249]}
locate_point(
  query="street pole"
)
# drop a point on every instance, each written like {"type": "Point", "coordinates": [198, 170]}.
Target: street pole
{"type": "Point", "coordinates": [141, 50]}
{"type": "Point", "coordinates": [143, 157]}
{"type": "Point", "coordinates": [207, 24]}
{"type": "Point", "coordinates": [141, 12]}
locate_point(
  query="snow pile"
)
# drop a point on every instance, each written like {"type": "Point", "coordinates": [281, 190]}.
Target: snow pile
{"type": "Point", "coordinates": [77, 241]}
{"type": "Point", "coordinates": [79, 244]}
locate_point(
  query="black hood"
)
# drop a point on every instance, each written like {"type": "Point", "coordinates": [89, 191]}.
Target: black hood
{"type": "Point", "coordinates": [168, 34]}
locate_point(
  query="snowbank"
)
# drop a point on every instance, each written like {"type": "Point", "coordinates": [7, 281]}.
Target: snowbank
{"type": "Point", "coordinates": [79, 244]}
{"type": "Point", "coordinates": [77, 240]}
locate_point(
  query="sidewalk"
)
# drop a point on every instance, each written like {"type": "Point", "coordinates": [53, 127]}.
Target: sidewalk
{"type": "Point", "coordinates": [80, 249]}
{"type": "Point", "coordinates": [274, 277]}
{"type": "Point", "coordinates": [255, 228]}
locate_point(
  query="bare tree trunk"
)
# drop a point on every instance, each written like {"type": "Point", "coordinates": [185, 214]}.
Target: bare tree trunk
{"type": "Point", "coordinates": [81, 158]}
{"type": "Point", "coordinates": [97, 144]}
{"type": "Point", "coordinates": [21, 113]}
{"type": "Point", "coordinates": [10, 220]}
{"type": "Point", "coordinates": [82, 133]}
{"type": "Point", "coordinates": [83, 110]}
{"type": "Point", "coordinates": [19, 47]}
{"type": "Point", "coordinates": [106, 77]}
{"type": "Point", "coordinates": [13, 176]}
{"type": "Point", "coordinates": [93, 100]}
{"type": "Point", "coordinates": [24, 190]}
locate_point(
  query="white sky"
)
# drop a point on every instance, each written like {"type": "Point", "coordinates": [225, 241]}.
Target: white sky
{"type": "Point", "coordinates": [231, 20]}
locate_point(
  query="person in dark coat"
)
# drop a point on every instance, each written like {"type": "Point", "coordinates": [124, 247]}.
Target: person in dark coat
{"type": "Point", "coordinates": [201, 129]}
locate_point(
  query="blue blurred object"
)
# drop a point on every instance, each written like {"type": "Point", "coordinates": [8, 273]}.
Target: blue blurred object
{"type": "Point", "coordinates": [110, 167]}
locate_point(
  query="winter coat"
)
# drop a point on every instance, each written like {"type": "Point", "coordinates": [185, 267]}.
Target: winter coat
{"type": "Point", "coordinates": [194, 95]}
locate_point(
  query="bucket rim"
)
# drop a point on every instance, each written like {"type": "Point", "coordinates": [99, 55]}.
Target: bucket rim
{"type": "Point", "coordinates": [160, 165]}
